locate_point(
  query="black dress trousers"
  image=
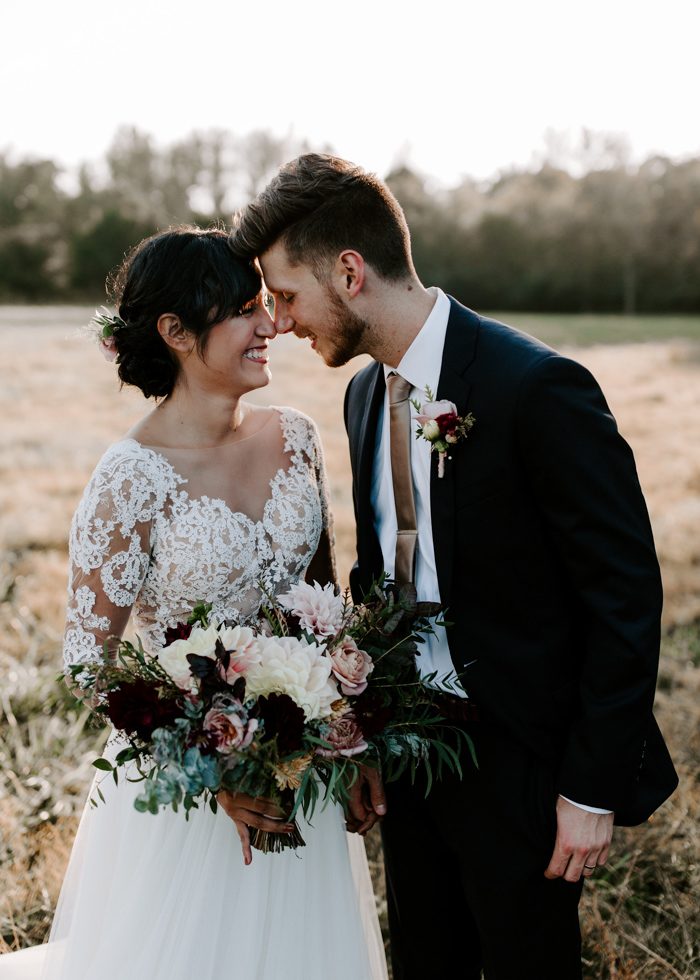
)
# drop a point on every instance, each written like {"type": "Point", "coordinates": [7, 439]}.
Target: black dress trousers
{"type": "Point", "coordinates": [465, 872]}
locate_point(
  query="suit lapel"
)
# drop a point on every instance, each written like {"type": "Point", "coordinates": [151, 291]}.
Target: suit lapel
{"type": "Point", "coordinates": [458, 355]}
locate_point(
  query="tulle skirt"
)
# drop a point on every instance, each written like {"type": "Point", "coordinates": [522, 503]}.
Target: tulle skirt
{"type": "Point", "coordinates": [163, 898]}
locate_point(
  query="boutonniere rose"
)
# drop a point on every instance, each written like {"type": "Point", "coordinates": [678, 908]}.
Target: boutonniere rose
{"type": "Point", "coordinates": [441, 425]}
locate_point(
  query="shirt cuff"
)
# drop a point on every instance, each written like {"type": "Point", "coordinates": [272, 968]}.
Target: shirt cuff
{"type": "Point", "coordinates": [583, 806]}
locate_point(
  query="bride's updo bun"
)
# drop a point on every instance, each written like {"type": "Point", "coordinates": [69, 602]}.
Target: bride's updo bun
{"type": "Point", "coordinates": [188, 271]}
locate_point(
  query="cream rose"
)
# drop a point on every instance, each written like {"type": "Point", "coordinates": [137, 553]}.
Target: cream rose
{"type": "Point", "coordinates": [173, 658]}
{"type": "Point", "coordinates": [431, 430]}
{"type": "Point", "coordinates": [238, 640]}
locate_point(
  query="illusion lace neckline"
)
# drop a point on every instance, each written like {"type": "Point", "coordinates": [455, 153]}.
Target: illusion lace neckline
{"type": "Point", "coordinates": [204, 499]}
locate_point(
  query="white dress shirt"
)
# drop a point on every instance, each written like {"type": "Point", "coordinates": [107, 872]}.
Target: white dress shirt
{"type": "Point", "coordinates": [420, 365]}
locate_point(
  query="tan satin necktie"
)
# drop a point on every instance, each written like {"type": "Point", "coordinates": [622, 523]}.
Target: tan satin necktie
{"type": "Point", "coordinates": [402, 477]}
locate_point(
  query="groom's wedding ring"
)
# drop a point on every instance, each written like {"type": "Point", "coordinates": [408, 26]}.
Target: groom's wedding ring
{"type": "Point", "coordinates": [590, 867]}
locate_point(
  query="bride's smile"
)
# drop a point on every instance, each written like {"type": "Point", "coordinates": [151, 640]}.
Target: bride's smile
{"type": "Point", "coordinates": [258, 354]}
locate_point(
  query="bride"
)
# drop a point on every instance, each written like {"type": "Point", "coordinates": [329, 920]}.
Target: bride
{"type": "Point", "coordinates": [207, 498]}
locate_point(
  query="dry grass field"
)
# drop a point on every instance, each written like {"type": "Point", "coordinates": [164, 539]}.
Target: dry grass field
{"type": "Point", "coordinates": [60, 407]}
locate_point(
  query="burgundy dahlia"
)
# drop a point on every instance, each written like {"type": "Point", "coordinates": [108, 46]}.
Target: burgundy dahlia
{"type": "Point", "coordinates": [282, 718]}
{"type": "Point", "coordinates": [179, 632]}
{"type": "Point", "coordinates": [136, 708]}
{"type": "Point", "coordinates": [372, 712]}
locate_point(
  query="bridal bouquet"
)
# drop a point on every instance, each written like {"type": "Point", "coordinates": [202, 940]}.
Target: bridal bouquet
{"type": "Point", "coordinates": [298, 701]}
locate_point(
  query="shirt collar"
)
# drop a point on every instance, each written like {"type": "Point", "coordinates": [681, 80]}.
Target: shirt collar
{"type": "Point", "coordinates": [422, 361]}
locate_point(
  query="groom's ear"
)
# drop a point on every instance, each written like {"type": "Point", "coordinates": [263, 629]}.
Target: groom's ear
{"type": "Point", "coordinates": [170, 328]}
{"type": "Point", "coordinates": [350, 272]}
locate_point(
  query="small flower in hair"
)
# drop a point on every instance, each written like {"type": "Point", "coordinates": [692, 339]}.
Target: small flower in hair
{"type": "Point", "coordinates": [105, 325]}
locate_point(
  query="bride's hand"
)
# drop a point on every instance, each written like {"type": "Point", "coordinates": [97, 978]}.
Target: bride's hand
{"type": "Point", "coordinates": [252, 811]}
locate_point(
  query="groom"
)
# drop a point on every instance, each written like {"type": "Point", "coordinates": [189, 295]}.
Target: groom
{"type": "Point", "coordinates": [537, 541]}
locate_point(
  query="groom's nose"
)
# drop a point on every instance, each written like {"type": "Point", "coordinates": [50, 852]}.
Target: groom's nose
{"type": "Point", "coordinates": [283, 324]}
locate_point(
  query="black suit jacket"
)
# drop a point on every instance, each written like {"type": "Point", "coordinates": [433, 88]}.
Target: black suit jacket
{"type": "Point", "coordinates": [545, 561]}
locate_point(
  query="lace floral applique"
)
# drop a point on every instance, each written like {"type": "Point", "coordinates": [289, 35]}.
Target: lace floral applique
{"type": "Point", "coordinates": [138, 539]}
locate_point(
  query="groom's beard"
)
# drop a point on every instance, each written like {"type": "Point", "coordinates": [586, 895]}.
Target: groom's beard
{"type": "Point", "coordinates": [346, 334]}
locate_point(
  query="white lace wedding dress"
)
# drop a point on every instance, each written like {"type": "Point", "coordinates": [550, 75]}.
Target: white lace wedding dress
{"type": "Point", "coordinates": [158, 897]}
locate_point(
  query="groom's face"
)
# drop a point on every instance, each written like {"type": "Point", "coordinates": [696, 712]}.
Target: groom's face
{"type": "Point", "coordinates": [311, 309]}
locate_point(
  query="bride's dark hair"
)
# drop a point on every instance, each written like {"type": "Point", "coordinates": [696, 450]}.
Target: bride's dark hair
{"type": "Point", "coordinates": [188, 271]}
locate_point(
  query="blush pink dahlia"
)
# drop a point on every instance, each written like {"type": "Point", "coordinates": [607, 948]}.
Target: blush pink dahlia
{"type": "Point", "coordinates": [318, 608]}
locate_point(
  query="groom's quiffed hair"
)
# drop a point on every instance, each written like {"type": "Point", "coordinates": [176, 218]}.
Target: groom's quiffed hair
{"type": "Point", "coordinates": [318, 205]}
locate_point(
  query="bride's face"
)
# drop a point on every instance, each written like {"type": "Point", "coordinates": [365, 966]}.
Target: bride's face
{"type": "Point", "coordinates": [235, 358]}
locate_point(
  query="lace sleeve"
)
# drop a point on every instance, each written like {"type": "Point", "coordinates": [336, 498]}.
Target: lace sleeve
{"type": "Point", "coordinates": [110, 547]}
{"type": "Point", "coordinates": [323, 566]}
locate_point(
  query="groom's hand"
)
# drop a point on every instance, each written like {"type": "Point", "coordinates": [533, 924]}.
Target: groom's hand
{"type": "Point", "coordinates": [367, 802]}
{"type": "Point", "coordinates": [582, 844]}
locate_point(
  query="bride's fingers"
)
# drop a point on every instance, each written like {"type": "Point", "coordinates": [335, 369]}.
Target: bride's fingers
{"type": "Point", "coordinates": [272, 824]}
{"type": "Point", "coordinates": [244, 834]}
{"type": "Point", "coordinates": [266, 808]}
{"type": "Point", "coordinates": [258, 804]}
{"type": "Point", "coordinates": [232, 806]}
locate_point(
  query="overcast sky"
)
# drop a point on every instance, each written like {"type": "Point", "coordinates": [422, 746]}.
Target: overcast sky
{"type": "Point", "coordinates": [453, 88]}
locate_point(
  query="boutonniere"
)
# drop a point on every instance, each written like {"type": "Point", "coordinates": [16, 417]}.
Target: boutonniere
{"type": "Point", "coordinates": [441, 426]}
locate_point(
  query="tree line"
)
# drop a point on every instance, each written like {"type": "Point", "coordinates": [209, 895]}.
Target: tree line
{"type": "Point", "coordinates": [583, 232]}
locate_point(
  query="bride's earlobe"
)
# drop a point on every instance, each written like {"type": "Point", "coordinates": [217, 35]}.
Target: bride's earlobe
{"type": "Point", "coordinates": [173, 333]}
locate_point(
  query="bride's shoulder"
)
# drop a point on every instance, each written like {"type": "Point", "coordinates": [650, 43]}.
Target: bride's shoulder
{"type": "Point", "coordinates": [287, 413]}
{"type": "Point", "coordinates": [127, 461]}
{"type": "Point", "coordinates": [300, 430]}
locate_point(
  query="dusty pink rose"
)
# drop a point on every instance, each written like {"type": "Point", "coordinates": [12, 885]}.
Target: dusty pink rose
{"type": "Point", "coordinates": [351, 666]}
{"type": "Point", "coordinates": [228, 728]}
{"type": "Point", "coordinates": [108, 348]}
{"type": "Point", "coordinates": [345, 736]}
{"type": "Point", "coordinates": [318, 609]}
{"type": "Point", "coordinates": [434, 410]}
